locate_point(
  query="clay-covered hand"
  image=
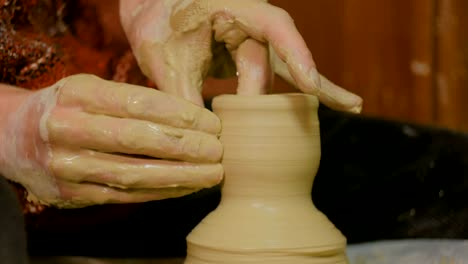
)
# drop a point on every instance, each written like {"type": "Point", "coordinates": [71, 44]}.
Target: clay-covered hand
{"type": "Point", "coordinates": [86, 141]}
{"type": "Point", "coordinates": [173, 44]}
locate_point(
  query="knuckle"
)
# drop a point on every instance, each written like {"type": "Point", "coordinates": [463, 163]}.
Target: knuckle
{"type": "Point", "coordinates": [73, 86]}
{"type": "Point", "coordinates": [52, 125]}
{"type": "Point", "coordinates": [195, 147]}
{"type": "Point", "coordinates": [78, 79]}
{"type": "Point", "coordinates": [138, 104]}
{"type": "Point", "coordinates": [56, 166]}
{"type": "Point", "coordinates": [282, 14]}
{"type": "Point", "coordinates": [132, 181]}
{"type": "Point", "coordinates": [190, 119]}
{"type": "Point", "coordinates": [126, 136]}
{"type": "Point", "coordinates": [125, 182]}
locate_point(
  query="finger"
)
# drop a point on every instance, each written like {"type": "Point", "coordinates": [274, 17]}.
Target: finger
{"type": "Point", "coordinates": [180, 65]}
{"type": "Point", "coordinates": [253, 67]}
{"type": "Point", "coordinates": [130, 136]}
{"type": "Point", "coordinates": [125, 172]}
{"type": "Point", "coordinates": [281, 69]}
{"type": "Point", "coordinates": [271, 24]}
{"type": "Point", "coordinates": [95, 95]}
{"type": "Point", "coordinates": [254, 72]}
{"type": "Point", "coordinates": [86, 194]}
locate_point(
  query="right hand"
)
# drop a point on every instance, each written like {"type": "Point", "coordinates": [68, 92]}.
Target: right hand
{"type": "Point", "coordinates": [86, 141]}
{"type": "Point", "coordinates": [173, 44]}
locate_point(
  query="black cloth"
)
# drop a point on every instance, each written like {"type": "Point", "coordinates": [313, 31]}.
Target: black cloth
{"type": "Point", "coordinates": [12, 229]}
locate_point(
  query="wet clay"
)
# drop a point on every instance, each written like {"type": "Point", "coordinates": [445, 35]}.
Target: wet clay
{"type": "Point", "coordinates": [110, 124]}
{"type": "Point", "coordinates": [266, 214]}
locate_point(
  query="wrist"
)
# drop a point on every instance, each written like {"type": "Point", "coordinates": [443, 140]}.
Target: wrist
{"type": "Point", "coordinates": [23, 152]}
{"type": "Point", "coordinates": [11, 99]}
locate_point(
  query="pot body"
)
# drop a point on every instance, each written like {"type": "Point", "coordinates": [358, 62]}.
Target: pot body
{"type": "Point", "coordinates": [266, 214]}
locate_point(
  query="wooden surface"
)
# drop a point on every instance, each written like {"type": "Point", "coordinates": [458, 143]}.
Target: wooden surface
{"type": "Point", "coordinates": [452, 64]}
{"type": "Point", "coordinates": [381, 50]}
{"type": "Point", "coordinates": [408, 59]}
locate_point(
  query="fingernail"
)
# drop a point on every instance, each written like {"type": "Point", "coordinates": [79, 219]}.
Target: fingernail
{"type": "Point", "coordinates": [355, 105]}
{"type": "Point", "coordinates": [204, 120]}
{"type": "Point", "coordinates": [213, 124]}
{"type": "Point", "coordinates": [356, 109]}
{"type": "Point", "coordinates": [216, 175]}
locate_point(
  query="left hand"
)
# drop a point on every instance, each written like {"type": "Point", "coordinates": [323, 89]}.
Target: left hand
{"type": "Point", "coordinates": [173, 43]}
{"type": "Point", "coordinates": [86, 141]}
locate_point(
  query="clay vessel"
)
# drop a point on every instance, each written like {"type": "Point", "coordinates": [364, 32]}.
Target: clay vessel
{"type": "Point", "coordinates": [266, 214]}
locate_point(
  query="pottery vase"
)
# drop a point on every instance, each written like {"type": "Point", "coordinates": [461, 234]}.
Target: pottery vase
{"type": "Point", "coordinates": [266, 214]}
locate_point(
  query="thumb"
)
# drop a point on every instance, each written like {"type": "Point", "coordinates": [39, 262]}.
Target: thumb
{"type": "Point", "coordinates": [183, 82]}
{"type": "Point", "coordinates": [180, 65]}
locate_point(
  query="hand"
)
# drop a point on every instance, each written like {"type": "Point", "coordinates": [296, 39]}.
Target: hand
{"type": "Point", "coordinates": [87, 141]}
{"type": "Point", "coordinates": [172, 41]}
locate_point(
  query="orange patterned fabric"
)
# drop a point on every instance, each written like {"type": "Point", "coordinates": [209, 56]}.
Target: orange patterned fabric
{"type": "Point", "coordinates": [43, 41]}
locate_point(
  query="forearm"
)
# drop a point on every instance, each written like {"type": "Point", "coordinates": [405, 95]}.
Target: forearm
{"type": "Point", "coordinates": [129, 9]}
{"type": "Point", "coordinates": [129, 4]}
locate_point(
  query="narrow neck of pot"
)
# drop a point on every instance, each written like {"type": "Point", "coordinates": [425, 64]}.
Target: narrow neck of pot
{"type": "Point", "coordinates": [271, 144]}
